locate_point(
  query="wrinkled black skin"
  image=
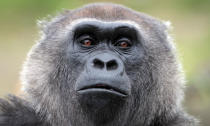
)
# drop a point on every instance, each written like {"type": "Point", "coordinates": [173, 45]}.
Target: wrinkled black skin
{"type": "Point", "coordinates": [146, 92]}
{"type": "Point", "coordinates": [106, 47]}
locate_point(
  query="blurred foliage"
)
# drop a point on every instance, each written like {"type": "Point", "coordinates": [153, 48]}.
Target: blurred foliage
{"type": "Point", "coordinates": [190, 19]}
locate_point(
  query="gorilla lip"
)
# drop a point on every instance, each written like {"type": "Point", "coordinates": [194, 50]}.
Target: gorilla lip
{"type": "Point", "coordinates": [103, 87]}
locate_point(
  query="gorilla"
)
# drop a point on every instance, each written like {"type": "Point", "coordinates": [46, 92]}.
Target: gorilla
{"type": "Point", "coordinates": [100, 65]}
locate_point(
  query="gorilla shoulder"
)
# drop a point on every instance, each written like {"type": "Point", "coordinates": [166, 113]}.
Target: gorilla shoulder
{"type": "Point", "coordinates": [18, 112]}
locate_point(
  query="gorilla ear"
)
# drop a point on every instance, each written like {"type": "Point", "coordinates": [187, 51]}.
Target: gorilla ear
{"type": "Point", "coordinates": [45, 24]}
{"type": "Point", "coordinates": [168, 25]}
{"type": "Point", "coordinates": [167, 31]}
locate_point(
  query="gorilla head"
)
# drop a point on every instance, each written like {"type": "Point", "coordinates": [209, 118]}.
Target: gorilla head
{"type": "Point", "coordinates": [107, 65]}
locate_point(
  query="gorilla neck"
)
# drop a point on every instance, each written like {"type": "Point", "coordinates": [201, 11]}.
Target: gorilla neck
{"type": "Point", "coordinates": [88, 110]}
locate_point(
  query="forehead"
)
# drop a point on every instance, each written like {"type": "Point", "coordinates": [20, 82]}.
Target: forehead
{"type": "Point", "coordinates": [85, 22]}
{"type": "Point", "coordinates": [103, 12]}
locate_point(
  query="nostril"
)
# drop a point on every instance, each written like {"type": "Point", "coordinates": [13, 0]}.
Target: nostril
{"type": "Point", "coordinates": [98, 64]}
{"type": "Point", "coordinates": [112, 65]}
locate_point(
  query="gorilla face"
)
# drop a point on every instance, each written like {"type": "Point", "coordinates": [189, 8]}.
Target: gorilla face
{"type": "Point", "coordinates": [102, 50]}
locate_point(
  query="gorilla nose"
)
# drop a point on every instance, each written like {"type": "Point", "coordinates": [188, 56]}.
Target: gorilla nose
{"type": "Point", "coordinates": [110, 65]}
{"type": "Point", "coordinates": [106, 62]}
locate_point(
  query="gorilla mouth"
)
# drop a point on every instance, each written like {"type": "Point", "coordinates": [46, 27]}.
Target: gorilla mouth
{"type": "Point", "coordinates": [103, 88]}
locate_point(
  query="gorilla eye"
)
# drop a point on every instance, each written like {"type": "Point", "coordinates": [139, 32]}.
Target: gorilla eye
{"type": "Point", "coordinates": [124, 43]}
{"type": "Point", "coordinates": [87, 42]}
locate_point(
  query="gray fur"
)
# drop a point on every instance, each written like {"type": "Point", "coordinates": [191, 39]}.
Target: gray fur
{"type": "Point", "coordinates": [49, 75]}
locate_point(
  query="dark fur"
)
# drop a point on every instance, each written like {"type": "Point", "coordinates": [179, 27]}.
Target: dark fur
{"type": "Point", "coordinates": [18, 112]}
{"type": "Point", "coordinates": [49, 77]}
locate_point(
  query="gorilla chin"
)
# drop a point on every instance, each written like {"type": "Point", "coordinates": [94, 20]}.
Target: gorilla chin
{"type": "Point", "coordinates": [101, 99]}
{"type": "Point", "coordinates": [100, 96]}
{"type": "Point", "coordinates": [101, 105]}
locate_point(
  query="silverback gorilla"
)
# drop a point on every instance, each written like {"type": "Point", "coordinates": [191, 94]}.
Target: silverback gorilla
{"type": "Point", "coordinates": [100, 65]}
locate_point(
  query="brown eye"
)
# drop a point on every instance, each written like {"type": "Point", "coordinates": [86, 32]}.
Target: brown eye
{"type": "Point", "coordinates": [124, 44]}
{"type": "Point", "coordinates": [87, 42]}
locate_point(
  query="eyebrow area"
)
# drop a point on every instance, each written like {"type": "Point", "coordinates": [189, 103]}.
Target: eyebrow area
{"type": "Point", "coordinates": [105, 29]}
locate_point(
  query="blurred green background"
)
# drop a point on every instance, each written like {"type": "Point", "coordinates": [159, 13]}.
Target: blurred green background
{"type": "Point", "coordinates": [190, 19]}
